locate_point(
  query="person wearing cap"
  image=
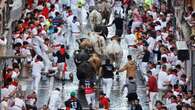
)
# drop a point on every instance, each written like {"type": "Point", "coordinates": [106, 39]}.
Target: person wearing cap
{"type": "Point", "coordinates": [104, 101]}
{"type": "Point", "coordinates": [55, 99]}
{"type": "Point", "coordinates": [73, 103]}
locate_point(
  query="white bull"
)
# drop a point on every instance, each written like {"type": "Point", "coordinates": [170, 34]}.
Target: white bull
{"type": "Point", "coordinates": [99, 43]}
{"type": "Point", "coordinates": [95, 18]}
{"type": "Point", "coordinates": [115, 52]}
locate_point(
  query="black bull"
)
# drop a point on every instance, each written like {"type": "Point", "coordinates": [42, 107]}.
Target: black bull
{"type": "Point", "coordinates": [84, 68]}
{"type": "Point", "coordinates": [102, 29]}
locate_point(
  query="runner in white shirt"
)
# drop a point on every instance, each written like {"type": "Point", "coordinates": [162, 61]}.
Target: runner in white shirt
{"type": "Point", "coordinates": [37, 67]}
{"type": "Point", "coordinates": [55, 99]}
{"type": "Point", "coordinates": [75, 29]}
{"type": "Point", "coordinates": [162, 81]}
{"type": "Point", "coordinates": [19, 104]}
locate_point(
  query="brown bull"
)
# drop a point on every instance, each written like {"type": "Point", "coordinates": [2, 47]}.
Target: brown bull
{"type": "Point", "coordinates": [95, 61]}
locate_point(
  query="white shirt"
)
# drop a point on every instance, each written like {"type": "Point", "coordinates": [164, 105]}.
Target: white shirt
{"type": "Point", "coordinates": [154, 71]}
{"type": "Point", "coordinates": [4, 105]}
{"type": "Point", "coordinates": [18, 40]}
{"type": "Point", "coordinates": [15, 75]}
{"type": "Point", "coordinates": [37, 67]}
{"type": "Point", "coordinates": [162, 77]}
{"type": "Point", "coordinates": [84, 15]}
{"type": "Point", "coordinates": [69, 19]}
{"type": "Point", "coordinates": [19, 103]}
{"type": "Point", "coordinates": [55, 100]}
{"type": "Point", "coordinates": [172, 58]}
{"type": "Point", "coordinates": [188, 101]}
{"type": "Point", "coordinates": [151, 41]}
{"type": "Point", "coordinates": [172, 106]}
{"type": "Point", "coordinates": [173, 79]}
{"type": "Point", "coordinates": [11, 88]}
{"type": "Point", "coordinates": [75, 26]}
{"type": "Point", "coordinates": [60, 40]}
{"type": "Point", "coordinates": [130, 39]}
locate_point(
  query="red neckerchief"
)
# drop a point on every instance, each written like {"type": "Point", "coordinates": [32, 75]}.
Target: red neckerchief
{"type": "Point", "coordinates": [45, 12]}
{"type": "Point", "coordinates": [62, 51]}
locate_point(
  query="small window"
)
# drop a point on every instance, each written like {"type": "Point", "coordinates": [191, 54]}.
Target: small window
{"type": "Point", "coordinates": [3, 19]}
{"type": "Point", "coordinates": [1, 26]}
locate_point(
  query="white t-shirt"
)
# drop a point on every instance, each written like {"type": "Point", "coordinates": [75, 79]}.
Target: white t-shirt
{"type": "Point", "coordinates": [55, 99]}
{"type": "Point", "coordinates": [75, 27]}
{"type": "Point", "coordinates": [188, 101]}
{"type": "Point", "coordinates": [151, 41]}
{"type": "Point", "coordinates": [173, 79]}
{"type": "Point", "coordinates": [18, 40]}
{"type": "Point", "coordinates": [4, 105]}
{"type": "Point", "coordinates": [19, 103]}
{"type": "Point", "coordinates": [162, 77]}
{"type": "Point", "coordinates": [11, 88]}
{"type": "Point", "coordinates": [172, 106]}
{"type": "Point", "coordinates": [37, 67]}
{"type": "Point", "coordinates": [69, 19]}
{"type": "Point", "coordinates": [154, 71]}
{"type": "Point", "coordinates": [130, 39]}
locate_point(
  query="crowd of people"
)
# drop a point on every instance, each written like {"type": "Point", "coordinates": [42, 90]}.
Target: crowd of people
{"type": "Point", "coordinates": [48, 32]}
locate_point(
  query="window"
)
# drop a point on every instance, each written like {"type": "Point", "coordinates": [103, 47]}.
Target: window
{"type": "Point", "coordinates": [1, 26]}
{"type": "Point", "coordinates": [7, 11]}
{"type": "Point", "coordinates": [3, 19]}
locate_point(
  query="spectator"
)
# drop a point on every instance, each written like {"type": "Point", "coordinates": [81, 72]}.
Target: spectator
{"type": "Point", "coordinates": [162, 81]}
{"type": "Point", "coordinates": [73, 102]}
{"type": "Point", "coordinates": [4, 103]}
{"type": "Point", "coordinates": [31, 101]}
{"type": "Point", "coordinates": [152, 89]}
{"type": "Point", "coordinates": [104, 101]}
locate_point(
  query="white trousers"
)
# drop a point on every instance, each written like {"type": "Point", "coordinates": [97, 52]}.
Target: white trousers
{"type": "Point", "coordinates": [47, 62]}
{"type": "Point", "coordinates": [35, 83]}
{"type": "Point", "coordinates": [107, 86]}
{"type": "Point", "coordinates": [73, 40]}
{"type": "Point", "coordinates": [144, 66]}
{"type": "Point", "coordinates": [152, 102]}
{"type": "Point", "coordinates": [90, 99]}
{"type": "Point", "coordinates": [61, 70]}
